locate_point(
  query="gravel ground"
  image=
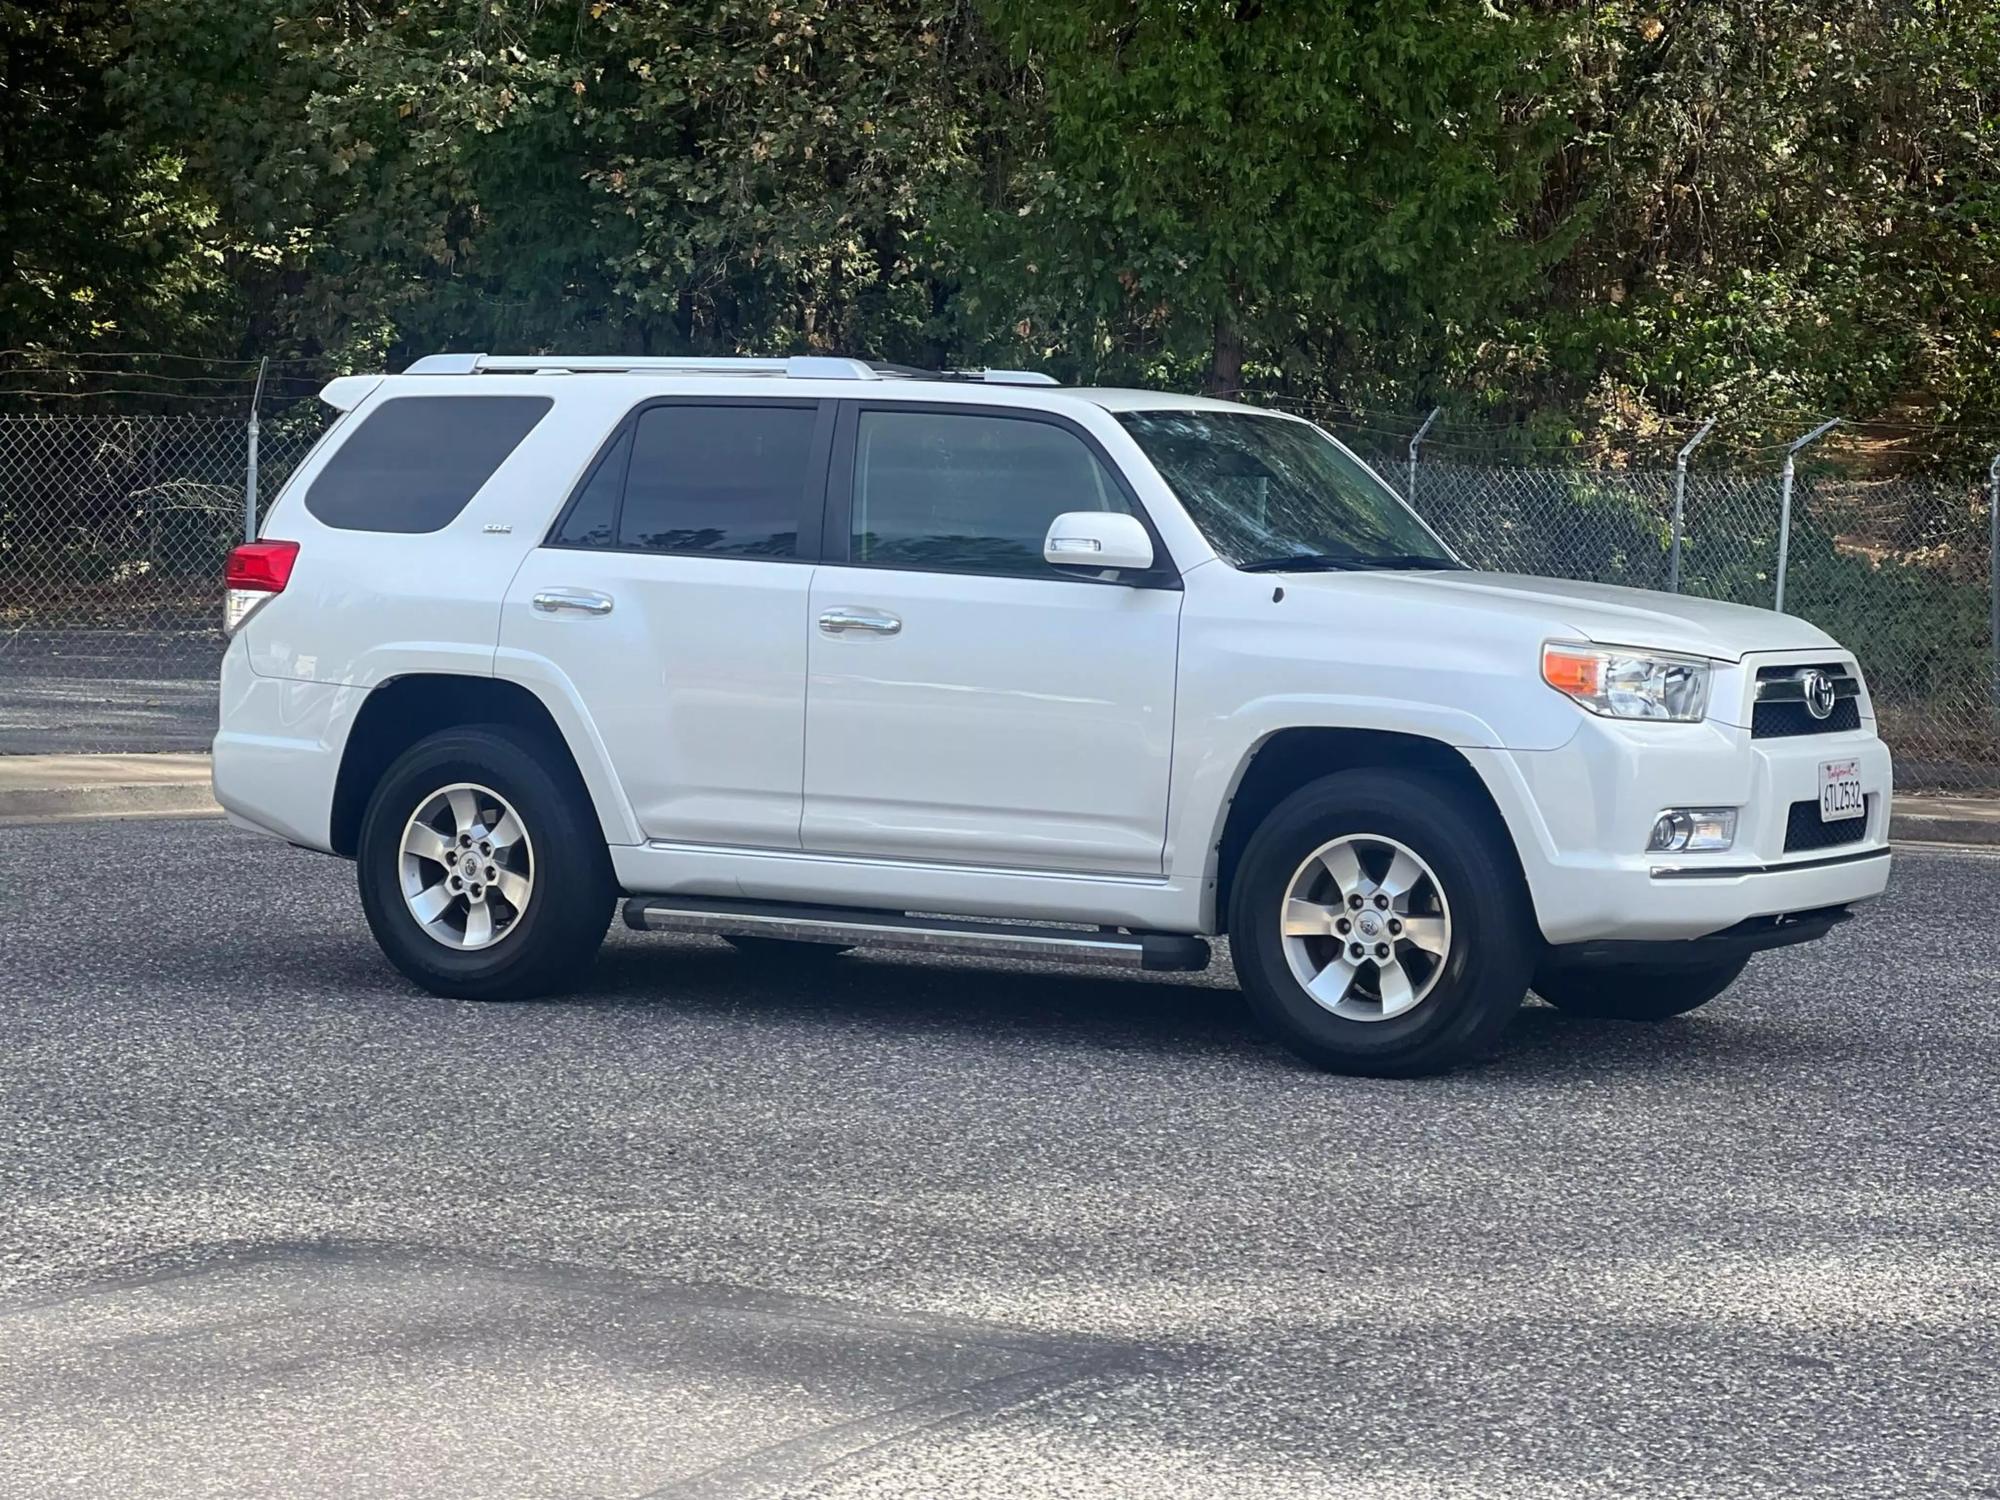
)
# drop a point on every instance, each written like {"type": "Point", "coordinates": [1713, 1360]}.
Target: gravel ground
{"type": "Point", "coordinates": [272, 1223]}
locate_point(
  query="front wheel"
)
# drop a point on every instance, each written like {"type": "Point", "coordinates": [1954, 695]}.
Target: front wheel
{"type": "Point", "coordinates": [1625, 992]}
{"type": "Point", "coordinates": [1379, 925]}
{"type": "Point", "coordinates": [483, 875]}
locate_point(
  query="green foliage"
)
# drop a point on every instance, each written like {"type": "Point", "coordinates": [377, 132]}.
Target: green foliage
{"type": "Point", "coordinates": [1794, 208]}
{"type": "Point", "coordinates": [101, 237]}
{"type": "Point", "coordinates": [1581, 220]}
{"type": "Point", "coordinates": [400, 177]}
{"type": "Point", "coordinates": [1303, 188]}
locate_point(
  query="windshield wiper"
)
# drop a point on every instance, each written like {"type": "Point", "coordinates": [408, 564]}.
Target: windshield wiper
{"type": "Point", "coordinates": [1412, 561]}
{"type": "Point", "coordinates": [1325, 562]}
{"type": "Point", "coordinates": [1304, 562]}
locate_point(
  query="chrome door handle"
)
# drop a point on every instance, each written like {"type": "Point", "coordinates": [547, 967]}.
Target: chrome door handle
{"type": "Point", "coordinates": [577, 601]}
{"type": "Point", "coordinates": [873, 621]}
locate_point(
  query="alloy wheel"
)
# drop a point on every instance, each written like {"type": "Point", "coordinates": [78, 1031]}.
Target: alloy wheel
{"type": "Point", "coordinates": [1366, 927]}
{"type": "Point", "coordinates": [467, 867]}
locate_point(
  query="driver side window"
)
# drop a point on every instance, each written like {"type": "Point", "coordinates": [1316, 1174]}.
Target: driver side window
{"type": "Point", "coordinates": [962, 492]}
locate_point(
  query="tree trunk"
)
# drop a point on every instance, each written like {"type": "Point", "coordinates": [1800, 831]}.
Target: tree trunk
{"type": "Point", "coordinates": [1225, 376]}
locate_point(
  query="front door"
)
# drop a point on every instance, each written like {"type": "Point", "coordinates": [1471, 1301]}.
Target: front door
{"type": "Point", "coordinates": [672, 598]}
{"type": "Point", "coordinates": [968, 703]}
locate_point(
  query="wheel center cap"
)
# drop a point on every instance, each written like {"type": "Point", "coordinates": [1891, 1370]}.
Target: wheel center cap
{"type": "Point", "coordinates": [1369, 923]}
{"type": "Point", "coordinates": [469, 864]}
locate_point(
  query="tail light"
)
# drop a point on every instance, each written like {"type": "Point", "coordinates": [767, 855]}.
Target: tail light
{"type": "Point", "coordinates": [255, 571]}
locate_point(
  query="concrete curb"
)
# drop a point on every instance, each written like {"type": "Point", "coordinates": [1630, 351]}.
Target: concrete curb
{"type": "Point", "coordinates": [1935, 818]}
{"type": "Point", "coordinates": [62, 788]}
{"type": "Point", "coordinates": [1926, 828]}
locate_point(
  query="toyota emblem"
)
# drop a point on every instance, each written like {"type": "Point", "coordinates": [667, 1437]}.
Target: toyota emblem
{"type": "Point", "coordinates": [1819, 692]}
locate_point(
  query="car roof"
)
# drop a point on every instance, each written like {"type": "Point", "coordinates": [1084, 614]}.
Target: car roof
{"type": "Point", "coordinates": [815, 375]}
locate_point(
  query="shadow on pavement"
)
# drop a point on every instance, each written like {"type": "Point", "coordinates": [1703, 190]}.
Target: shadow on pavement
{"type": "Point", "coordinates": [308, 1370]}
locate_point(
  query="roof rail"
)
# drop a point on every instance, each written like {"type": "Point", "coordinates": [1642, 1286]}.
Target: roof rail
{"type": "Point", "coordinates": [987, 377]}
{"type": "Point", "coordinates": [1001, 377]}
{"type": "Point", "coordinates": [796, 367]}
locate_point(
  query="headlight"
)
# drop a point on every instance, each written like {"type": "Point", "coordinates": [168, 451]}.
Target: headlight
{"type": "Point", "coordinates": [1629, 684]}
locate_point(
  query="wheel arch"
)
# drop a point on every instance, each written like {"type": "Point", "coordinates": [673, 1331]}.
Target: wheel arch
{"type": "Point", "coordinates": [1288, 759]}
{"type": "Point", "coordinates": [403, 710]}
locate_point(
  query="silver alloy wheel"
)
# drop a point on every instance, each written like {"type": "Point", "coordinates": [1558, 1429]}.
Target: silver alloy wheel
{"type": "Point", "coordinates": [467, 867]}
{"type": "Point", "coordinates": [1366, 927]}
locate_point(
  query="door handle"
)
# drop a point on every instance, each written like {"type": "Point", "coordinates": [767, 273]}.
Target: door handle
{"type": "Point", "coordinates": [870, 621]}
{"type": "Point", "coordinates": [572, 601]}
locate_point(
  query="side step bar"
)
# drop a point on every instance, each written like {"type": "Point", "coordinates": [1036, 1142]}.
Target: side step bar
{"type": "Point", "coordinates": [860, 927]}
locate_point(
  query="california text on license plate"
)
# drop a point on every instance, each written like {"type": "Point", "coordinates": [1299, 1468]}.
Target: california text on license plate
{"type": "Point", "coordinates": [1840, 794]}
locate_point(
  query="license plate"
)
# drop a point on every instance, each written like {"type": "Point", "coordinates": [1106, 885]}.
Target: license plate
{"type": "Point", "coordinates": [1840, 795]}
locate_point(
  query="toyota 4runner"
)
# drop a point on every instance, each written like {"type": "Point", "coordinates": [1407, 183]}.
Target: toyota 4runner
{"type": "Point", "coordinates": [802, 653]}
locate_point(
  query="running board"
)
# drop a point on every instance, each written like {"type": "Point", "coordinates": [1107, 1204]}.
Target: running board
{"type": "Point", "coordinates": [860, 927]}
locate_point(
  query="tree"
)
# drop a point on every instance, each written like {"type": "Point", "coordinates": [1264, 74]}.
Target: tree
{"type": "Point", "coordinates": [1569, 218]}
{"type": "Point", "coordinates": [398, 177]}
{"type": "Point", "coordinates": [99, 236]}
{"type": "Point", "coordinates": [1793, 210]}
{"type": "Point", "coordinates": [1285, 185]}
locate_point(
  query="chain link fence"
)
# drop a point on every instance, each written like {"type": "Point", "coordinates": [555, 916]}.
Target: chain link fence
{"type": "Point", "coordinates": [113, 530]}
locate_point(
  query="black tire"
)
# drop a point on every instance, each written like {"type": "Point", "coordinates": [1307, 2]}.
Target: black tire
{"type": "Point", "coordinates": [1625, 992]}
{"type": "Point", "coordinates": [1482, 978]}
{"type": "Point", "coordinates": [787, 950]}
{"type": "Point", "coordinates": [562, 922]}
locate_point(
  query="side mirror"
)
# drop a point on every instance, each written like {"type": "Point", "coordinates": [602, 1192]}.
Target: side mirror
{"type": "Point", "coordinates": [1100, 540]}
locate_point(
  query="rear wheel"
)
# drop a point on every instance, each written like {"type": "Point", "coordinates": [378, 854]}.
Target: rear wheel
{"type": "Point", "coordinates": [1379, 926]}
{"type": "Point", "coordinates": [483, 875]}
{"type": "Point", "coordinates": [1624, 992]}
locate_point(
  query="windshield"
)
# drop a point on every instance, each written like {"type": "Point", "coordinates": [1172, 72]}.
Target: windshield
{"type": "Point", "coordinates": [1273, 494]}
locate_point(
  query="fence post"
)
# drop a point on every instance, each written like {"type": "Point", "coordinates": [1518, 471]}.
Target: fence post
{"type": "Point", "coordinates": [1785, 509]}
{"type": "Point", "coordinates": [250, 467]}
{"type": "Point", "coordinates": [1993, 566]}
{"type": "Point", "coordinates": [1410, 494]}
{"type": "Point", "coordinates": [1680, 505]}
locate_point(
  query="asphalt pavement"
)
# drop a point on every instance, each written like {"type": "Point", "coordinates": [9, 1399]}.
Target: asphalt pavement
{"type": "Point", "coordinates": [107, 690]}
{"type": "Point", "coordinates": [272, 1223]}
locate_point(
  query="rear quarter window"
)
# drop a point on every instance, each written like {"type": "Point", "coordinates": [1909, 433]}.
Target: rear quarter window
{"type": "Point", "coordinates": [415, 462]}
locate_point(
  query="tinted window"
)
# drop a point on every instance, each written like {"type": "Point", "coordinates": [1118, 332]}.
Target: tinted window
{"type": "Point", "coordinates": [593, 520]}
{"type": "Point", "coordinates": [955, 492]}
{"type": "Point", "coordinates": [415, 461]}
{"type": "Point", "coordinates": [729, 480]}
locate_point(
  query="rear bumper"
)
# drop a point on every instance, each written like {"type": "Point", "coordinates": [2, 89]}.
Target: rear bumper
{"type": "Point", "coordinates": [277, 754]}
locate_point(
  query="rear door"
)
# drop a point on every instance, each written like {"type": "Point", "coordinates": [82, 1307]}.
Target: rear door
{"type": "Point", "coordinates": [968, 702]}
{"type": "Point", "coordinates": [672, 597]}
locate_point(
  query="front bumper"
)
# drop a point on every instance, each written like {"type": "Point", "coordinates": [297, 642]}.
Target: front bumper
{"type": "Point", "coordinates": [1588, 807]}
{"type": "Point", "coordinates": [1752, 935]}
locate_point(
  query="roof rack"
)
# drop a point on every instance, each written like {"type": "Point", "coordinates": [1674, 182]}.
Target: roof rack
{"type": "Point", "coordinates": [996, 377]}
{"type": "Point", "coordinates": [798, 367]}
{"type": "Point", "coordinates": [795, 367]}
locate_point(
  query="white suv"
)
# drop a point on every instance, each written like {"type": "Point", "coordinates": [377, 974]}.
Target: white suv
{"type": "Point", "coordinates": [798, 652]}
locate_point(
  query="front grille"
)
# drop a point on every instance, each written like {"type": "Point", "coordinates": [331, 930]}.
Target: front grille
{"type": "Point", "coordinates": [1777, 721]}
{"type": "Point", "coordinates": [1804, 831]}
{"type": "Point", "coordinates": [1781, 712]}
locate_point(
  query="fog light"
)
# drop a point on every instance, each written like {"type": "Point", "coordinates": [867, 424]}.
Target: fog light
{"type": "Point", "coordinates": [1692, 829]}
